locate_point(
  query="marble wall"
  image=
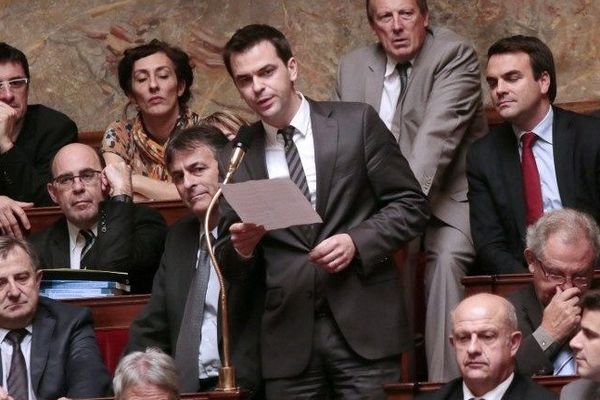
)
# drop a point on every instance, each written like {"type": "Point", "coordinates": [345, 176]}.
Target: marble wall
{"type": "Point", "coordinates": [74, 45]}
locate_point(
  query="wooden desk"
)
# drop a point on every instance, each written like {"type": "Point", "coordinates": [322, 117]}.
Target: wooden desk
{"type": "Point", "coordinates": [112, 318]}
{"type": "Point", "coordinates": [409, 391]}
{"type": "Point", "coordinates": [42, 217]}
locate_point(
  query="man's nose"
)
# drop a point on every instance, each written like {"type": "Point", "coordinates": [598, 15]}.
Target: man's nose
{"type": "Point", "coordinates": [474, 345]}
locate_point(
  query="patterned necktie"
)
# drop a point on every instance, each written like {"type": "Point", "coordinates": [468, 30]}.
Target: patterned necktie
{"type": "Point", "coordinates": [293, 159]}
{"type": "Point", "coordinates": [89, 237]}
{"type": "Point", "coordinates": [532, 188]}
{"type": "Point", "coordinates": [17, 376]}
{"type": "Point", "coordinates": [188, 340]}
{"type": "Point", "coordinates": [403, 72]}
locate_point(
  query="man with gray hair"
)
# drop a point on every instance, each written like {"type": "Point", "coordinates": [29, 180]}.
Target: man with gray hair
{"type": "Point", "coordinates": [425, 84]}
{"type": "Point", "coordinates": [485, 338]}
{"type": "Point", "coordinates": [150, 374]}
{"type": "Point", "coordinates": [48, 349]}
{"type": "Point", "coordinates": [562, 250]}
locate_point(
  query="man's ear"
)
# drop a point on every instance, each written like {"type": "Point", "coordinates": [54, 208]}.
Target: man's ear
{"type": "Point", "coordinates": [52, 192]}
{"type": "Point", "coordinates": [515, 342]}
{"type": "Point", "coordinates": [530, 258]}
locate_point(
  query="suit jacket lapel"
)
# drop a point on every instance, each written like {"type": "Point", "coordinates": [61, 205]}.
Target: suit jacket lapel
{"type": "Point", "coordinates": [563, 143]}
{"type": "Point", "coordinates": [511, 173]}
{"type": "Point", "coordinates": [325, 136]}
{"type": "Point", "coordinates": [43, 327]}
{"type": "Point", "coordinates": [255, 162]}
{"type": "Point", "coordinates": [374, 80]}
{"type": "Point", "coordinates": [60, 245]}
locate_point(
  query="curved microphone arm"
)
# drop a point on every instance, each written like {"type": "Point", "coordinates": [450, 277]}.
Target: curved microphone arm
{"type": "Point", "coordinates": [227, 371]}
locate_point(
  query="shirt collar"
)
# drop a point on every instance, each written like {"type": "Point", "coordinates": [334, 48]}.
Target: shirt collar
{"type": "Point", "coordinates": [4, 332]}
{"type": "Point", "coordinates": [390, 66]}
{"type": "Point", "coordinates": [74, 231]}
{"type": "Point", "coordinates": [543, 129]}
{"type": "Point", "coordinates": [494, 394]}
{"type": "Point", "coordinates": [300, 121]}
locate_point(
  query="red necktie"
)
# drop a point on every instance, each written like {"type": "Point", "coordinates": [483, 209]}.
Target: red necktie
{"type": "Point", "coordinates": [532, 188]}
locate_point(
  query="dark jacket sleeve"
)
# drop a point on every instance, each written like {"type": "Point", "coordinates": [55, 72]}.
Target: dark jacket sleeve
{"type": "Point", "coordinates": [25, 169]}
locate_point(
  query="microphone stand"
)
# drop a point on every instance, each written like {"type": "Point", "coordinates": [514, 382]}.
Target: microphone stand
{"type": "Point", "coordinates": [227, 371]}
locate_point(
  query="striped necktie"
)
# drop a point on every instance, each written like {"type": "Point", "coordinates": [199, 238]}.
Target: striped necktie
{"type": "Point", "coordinates": [293, 160]}
{"type": "Point", "coordinates": [17, 375]}
{"type": "Point", "coordinates": [90, 238]}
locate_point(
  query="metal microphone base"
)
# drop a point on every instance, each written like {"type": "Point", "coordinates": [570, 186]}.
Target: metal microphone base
{"type": "Point", "coordinates": [227, 379]}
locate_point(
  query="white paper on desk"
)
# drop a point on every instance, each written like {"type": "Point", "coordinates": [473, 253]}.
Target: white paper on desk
{"type": "Point", "coordinates": [274, 203]}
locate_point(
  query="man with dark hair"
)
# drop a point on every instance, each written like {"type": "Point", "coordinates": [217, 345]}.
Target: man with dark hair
{"type": "Point", "coordinates": [486, 338]}
{"type": "Point", "coordinates": [333, 311]}
{"type": "Point", "coordinates": [586, 349]}
{"type": "Point", "coordinates": [542, 158]}
{"type": "Point", "coordinates": [562, 249]}
{"type": "Point", "coordinates": [181, 317]}
{"type": "Point", "coordinates": [102, 228]}
{"type": "Point", "coordinates": [30, 135]}
{"type": "Point", "coordinates": [48, 348]}
{"type": "Point", "coordinates": [425, 83]}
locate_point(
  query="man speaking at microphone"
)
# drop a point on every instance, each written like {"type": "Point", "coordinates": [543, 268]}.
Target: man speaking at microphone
{"type": "Point", "coordinates": [181, 317]}
{"type": "Point", "coordinates": [334, 323]}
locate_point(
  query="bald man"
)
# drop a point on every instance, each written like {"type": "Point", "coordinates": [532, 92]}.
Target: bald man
{"type": "Point", "coordinates": [485, 339]}
{"type": "Point", "coordinates": [102, 228]}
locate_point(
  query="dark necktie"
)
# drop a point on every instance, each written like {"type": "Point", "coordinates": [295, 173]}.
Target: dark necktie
{"type": "Point", "coordinates": [293, 159]}
{"type": "Point", "coordinates": [532, 188]}
{"type": "Point", "coordinates": [89, 237]}
{"type": "Point", "coordinates": [188, 341]}
{"type": "Point", "coordinates": [17, 376]}
{"type": "Point", "coordinates": [403, 72]}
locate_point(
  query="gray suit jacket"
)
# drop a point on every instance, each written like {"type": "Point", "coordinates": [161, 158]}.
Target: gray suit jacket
{"type": "Point", "coordinates": [531, 359]}
{"type": "Point", "coordinates": [438, 117]}
{"type": "Point", "coordinates": [581, 389]}
{"type": "Point", "coordinates": [65, 360]}
{"type": "Point", "coordinates": [364, 188]}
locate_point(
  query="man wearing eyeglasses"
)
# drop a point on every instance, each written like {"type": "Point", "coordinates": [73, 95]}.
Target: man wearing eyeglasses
{"type": "Point", "coordinates": [30, 135]}
{"type": "Point", "coordinates": [102, 228]}
{"type": "Point", "coordinates": [562, 248]}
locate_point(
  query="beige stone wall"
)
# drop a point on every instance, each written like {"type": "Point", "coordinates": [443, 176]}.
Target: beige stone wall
{"type": "Point", "coordinates": [73, 45]}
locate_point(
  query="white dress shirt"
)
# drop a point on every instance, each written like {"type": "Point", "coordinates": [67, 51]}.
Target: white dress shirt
{"type": "Point", "coordinates": [76, 244]}
{"type": "Point", "coordinates": [7, 350]}
{"type": "Point", "coordinates": [391, 92]}
{"type": "Point", "coordinates": [494, 394]}
{"type": "Point", "coordinates": [544, 159]}
{"type": "Point", "coordinates": [277, 166]}
{"type": "Point", "coordinates": [209, 360]}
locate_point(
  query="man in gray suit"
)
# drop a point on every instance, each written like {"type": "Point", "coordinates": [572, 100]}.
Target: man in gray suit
{"type": "Point", "coordinates": [333, 312]}
{"type": "Point", "coordinates": [586, 348]}
{"type": "Point", "coordinates": [425, 84]}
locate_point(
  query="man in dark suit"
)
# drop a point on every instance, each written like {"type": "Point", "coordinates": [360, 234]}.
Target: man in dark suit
{"type": "Point", "coordinates": [101, 228]}
{"type": "Point", "coordinates": [562, 250]}
{"type": "Point", "coordinates": [30, 136]}
{"type": "Point", "coordinates": [485, 338]}
{"type": "Point", "coordinates": [435, 112]}
{"type": "Point", "coordinates": [333, 311]}
{"type": "Point", "coordinates": [170, 320]}
{"type": "Point", "coordinates": [48, 348]}
{"type": "Point", "coordinates": [542, 158]}
{"type": "Point", "coordinates": [586, 347]}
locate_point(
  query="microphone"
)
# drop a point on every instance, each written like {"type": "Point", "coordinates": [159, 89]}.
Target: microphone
{"type": "Point", "coordinates": [241, 144]}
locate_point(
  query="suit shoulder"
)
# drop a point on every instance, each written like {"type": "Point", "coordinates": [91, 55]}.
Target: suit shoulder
{"type": "Point", "coordinates": [185, 223]}
{"type": "Point", "coordinates": [535, 391]}
{"type": "Point", "coordinates": [47, 114]}
{"type": "Point", "coordinates": [350, 107]}
{"type": "Point", "coordinates": [61, 310]}
{"type": "Point", "coordinates": [146, 211]}
{"type": "Point", "coordinates": [452, 389]}
{"type": "Point", "coordinates": [361, 54]}
{"type": "Point", "coordinates": [446, 36]}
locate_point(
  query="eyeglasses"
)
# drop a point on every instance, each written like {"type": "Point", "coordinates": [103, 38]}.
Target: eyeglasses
{"type": "Point", "coordinates": [87, 177]}
{"type": "Point", "coordinates": [14, 84]}
{"type": "Point", "coordinates": [559, 280]}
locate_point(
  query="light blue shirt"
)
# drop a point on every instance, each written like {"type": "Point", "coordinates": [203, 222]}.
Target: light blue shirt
{"type": "Point", "coordinates": [544, 159]}
{"type": "Point", "coordinates": [209, 360]}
